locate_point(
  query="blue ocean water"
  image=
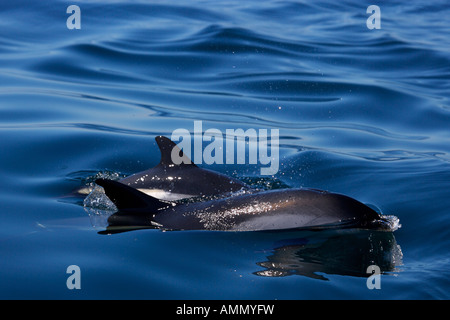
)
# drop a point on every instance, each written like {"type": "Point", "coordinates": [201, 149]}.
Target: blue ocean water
{"type": "Point", "coordinates": [364, 112]}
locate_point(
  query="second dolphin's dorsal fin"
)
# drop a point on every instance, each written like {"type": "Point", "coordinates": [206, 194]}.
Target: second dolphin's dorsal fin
{"type": "Point", "coordinates": [126, 197]}
{"type": "Point", "coordinates": [167, 147]}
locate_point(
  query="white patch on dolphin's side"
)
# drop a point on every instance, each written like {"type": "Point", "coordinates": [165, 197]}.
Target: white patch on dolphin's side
{"type": "Point", "coordinates": [85, 190]}
{"type": "Point", "coordinates": [164, 194]}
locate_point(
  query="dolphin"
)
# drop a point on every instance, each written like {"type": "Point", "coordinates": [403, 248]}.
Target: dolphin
{"type": "Point", "coordinates": [278, 209]}
{"type": "Point", "coordinates": [170, 181]}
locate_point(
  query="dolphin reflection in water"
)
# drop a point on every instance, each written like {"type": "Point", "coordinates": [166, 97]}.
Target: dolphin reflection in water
{"type": "Point", "coordinates": [343, 252]}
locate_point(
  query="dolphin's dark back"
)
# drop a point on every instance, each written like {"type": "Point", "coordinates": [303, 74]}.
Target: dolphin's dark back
{"type": "Point", "coordinates": [270, 210]}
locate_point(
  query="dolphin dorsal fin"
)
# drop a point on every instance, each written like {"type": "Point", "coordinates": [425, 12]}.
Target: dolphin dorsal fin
{"type": "Point", "coordinates": [167, 146]}
{"type": "Point", "coordinates": [126, 197]}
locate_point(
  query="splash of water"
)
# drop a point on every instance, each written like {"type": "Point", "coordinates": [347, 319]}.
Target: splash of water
{"type": "Point", "coordinates": [390, 222]}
